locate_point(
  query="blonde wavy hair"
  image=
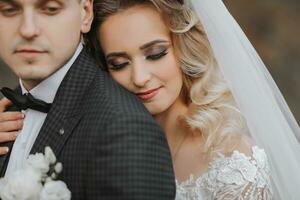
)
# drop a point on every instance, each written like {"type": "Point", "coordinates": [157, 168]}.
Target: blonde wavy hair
{"type": "Point", "coordinates": [212, 110]}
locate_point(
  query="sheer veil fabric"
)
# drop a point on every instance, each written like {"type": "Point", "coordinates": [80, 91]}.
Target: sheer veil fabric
{"type": "Point", "coordinates": [269, 119]}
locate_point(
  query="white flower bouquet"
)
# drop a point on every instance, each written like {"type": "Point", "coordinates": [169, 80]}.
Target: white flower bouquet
{"type": "Point", "coordinates": [37, 181]}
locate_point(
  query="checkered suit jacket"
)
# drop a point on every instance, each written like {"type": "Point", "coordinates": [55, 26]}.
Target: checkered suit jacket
{"type": "Point", "coordinates": [110, 147]}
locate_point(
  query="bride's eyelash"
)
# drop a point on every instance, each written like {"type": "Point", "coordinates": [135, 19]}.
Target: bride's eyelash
{"type": "Point", "coordinates": [153, 57]}
{"type": "Point", "coordinates": [157, 56]}
{"type": "Point", "coordinates": [116, 67]}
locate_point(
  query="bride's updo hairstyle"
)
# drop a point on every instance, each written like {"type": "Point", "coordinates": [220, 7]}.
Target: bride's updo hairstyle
{"type": "Point", "coordinates": [212, 110]}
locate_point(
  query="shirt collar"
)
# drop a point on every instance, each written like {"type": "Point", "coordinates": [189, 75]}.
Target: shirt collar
{"type": "Point", "coordinates": [46, 90]}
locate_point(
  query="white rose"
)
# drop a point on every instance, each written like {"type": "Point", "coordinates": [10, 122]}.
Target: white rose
{"type": "Point", "coordinates": [58, 167]}
{"type": "Point", "coordinates": [49, 155]}
{"type": "Point", "coordinates": [21, 185]}
{"type": "Point", "coordinates": [55, 190]}
{"type": "Point", "coordinates": [38, 162]}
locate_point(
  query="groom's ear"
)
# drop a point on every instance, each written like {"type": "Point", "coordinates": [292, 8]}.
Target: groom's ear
{"type": "Point", "coordinates": [87, 15]}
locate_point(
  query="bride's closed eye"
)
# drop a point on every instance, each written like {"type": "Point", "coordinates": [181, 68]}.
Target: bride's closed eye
{"type": "Point", "coordinates": [117, 64]}
{"type": "Point", "coordinates": [118, 61]}
{"type": "Point", "coordinates": [155, 53]}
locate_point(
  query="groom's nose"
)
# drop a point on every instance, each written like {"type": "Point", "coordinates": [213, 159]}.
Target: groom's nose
{"type": "Point", "coordinates": [29, 28]}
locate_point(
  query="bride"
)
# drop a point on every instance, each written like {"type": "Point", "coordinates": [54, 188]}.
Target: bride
{"type": "Point", "coordinates": [230, 132]}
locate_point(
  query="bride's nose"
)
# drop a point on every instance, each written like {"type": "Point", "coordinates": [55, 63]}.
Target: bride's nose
{"type": "Point", "coordinates": [140, 74]}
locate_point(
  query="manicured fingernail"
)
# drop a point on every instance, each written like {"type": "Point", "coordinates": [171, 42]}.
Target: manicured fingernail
{"type": "Point", "coordinates": [6, 149]}
{"type": "Point", "coordinates": [23, 115]}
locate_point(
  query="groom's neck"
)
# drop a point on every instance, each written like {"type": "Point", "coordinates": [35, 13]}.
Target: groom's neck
{"type": "Point", "coordinates": [30, 84]}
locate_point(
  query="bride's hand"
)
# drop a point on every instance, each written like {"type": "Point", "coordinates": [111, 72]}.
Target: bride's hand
{"type": "Point", "coordinates": [10, 124]}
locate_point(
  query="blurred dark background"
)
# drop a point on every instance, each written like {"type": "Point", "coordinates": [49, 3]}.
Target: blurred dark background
{"type": "Point", "coordinates": [273, 26]}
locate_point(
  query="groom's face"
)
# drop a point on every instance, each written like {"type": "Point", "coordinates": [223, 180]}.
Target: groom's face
{"type": "Point", "coordinates": [37, 37]}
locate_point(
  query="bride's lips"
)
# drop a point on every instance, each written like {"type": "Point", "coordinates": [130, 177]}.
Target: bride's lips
{"type": "Point", "coordinates": [147, 95]}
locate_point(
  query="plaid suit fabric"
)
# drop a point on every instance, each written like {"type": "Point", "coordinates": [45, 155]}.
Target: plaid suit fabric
{"type": "Point", "coordinates": [111, 148]}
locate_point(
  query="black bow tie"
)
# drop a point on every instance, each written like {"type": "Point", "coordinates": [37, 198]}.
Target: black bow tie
{"type": "Point", "coordinates": [26, 101]}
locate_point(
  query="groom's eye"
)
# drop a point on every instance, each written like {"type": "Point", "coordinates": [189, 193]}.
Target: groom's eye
{"type": "Point", "coordinates": [9, 10]}
{"type": "Point", "coordinates": [51, 8]}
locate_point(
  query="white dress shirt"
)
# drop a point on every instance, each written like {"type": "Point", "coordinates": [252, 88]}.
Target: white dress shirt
{"type": "Point", "coordinates": [34, 120]}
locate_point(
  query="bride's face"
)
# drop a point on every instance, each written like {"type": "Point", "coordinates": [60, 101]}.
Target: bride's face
{"type": "Point", "coordinates": [140, 56]}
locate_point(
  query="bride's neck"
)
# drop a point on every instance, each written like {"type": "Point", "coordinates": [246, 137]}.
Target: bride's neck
{"type": "Point", "coordinates": [169, 120]}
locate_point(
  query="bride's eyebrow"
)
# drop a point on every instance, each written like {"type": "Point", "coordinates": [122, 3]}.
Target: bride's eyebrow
{"type": "Point", "coordinates": [117, 54]}
{"type": "Point", "coordinates": [149, 44]}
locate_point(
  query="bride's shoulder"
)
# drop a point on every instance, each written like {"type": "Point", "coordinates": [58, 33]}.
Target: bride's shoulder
{"type": "Point", "coordinates": [246, 163]}
{"type": "Point", "coordinates": [242, 144]}
{"type": "Point", "coordinates": [243, 172]}
{"type": "Point", "coordinates": [244, 152]}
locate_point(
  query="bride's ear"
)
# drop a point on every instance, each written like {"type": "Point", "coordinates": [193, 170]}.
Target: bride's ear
{"type": "Point", "coordinates": [87, 15]}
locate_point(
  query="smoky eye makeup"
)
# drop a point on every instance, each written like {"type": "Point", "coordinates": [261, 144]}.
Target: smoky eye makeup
{"type": "Point", "coordinates": [156, 52]}
{"type": "Point", "coordinates": [117, 63]}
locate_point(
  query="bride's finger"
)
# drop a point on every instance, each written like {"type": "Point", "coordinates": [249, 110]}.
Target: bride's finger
{"type": "Point", "coordinates": [11, 116]}
{"type": "Point", "coordinates": [8, 136]}
{"type": "Point", "coordinates": [4, 103]}
{"type": "Point", "coordinates": [4, 150]}
{"type": "Point", "coordinates": [11, 125]}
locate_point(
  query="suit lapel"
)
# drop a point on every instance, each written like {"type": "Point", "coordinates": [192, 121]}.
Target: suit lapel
{"type": "Point", "coordinates": [55, 132]}
{"type": "Point", "coordinates": [5, 158]}
{"type": "Point", "coordinates": [65, 112]}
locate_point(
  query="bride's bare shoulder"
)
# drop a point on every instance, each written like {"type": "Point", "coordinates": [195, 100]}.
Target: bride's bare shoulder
{"type": "Point", "coordinates": [243, 144]}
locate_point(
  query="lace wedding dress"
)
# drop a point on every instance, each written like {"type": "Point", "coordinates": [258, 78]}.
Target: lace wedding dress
{"type": "Point", "coordinates": [237, 177]}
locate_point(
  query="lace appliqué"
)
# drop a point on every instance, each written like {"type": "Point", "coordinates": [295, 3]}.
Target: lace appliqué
{"type": "Point", "coordinates": [237, 177]}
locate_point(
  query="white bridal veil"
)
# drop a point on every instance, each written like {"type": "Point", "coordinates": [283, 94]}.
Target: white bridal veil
{"type": "Point", "coordinates": [269, 119]}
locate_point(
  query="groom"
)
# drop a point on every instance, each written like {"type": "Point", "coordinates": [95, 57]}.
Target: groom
{"type": "Point", "coordinates": [110, 147]}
